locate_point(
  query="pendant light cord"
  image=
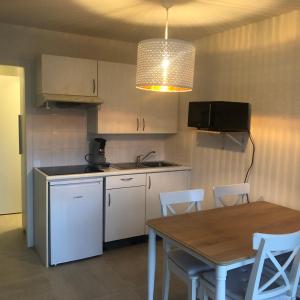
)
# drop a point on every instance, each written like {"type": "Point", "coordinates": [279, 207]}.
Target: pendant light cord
{"type": "Point", "coordinates": [167, 23]}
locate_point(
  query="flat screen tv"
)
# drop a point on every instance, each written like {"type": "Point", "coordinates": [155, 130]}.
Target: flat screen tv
{"type": "Point", "coordinates": [220, 116]}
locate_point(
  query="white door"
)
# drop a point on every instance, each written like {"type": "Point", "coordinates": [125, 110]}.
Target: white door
{"type": "Point", "coordinates": [10, 171]}
{"type": "Point", "coordinates": [69, 76]}
{"type": "Point", "coordinates": [121, 106]}
{"type": "Point", "coordinates": [159, 112]}
{"type": "Point", "coordinates": [163, 182]}
{"type": "Point", "coordinates": [125, 213]}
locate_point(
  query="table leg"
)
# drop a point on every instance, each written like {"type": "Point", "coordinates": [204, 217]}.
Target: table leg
{"type": "Point", "coordinates": [151, 262]}
{"type": "Point", "coordinates": [166, 271]}
{"type": "Point", "coordinates": [221, 273]}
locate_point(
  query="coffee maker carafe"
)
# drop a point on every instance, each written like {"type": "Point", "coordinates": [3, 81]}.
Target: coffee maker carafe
{"type": "Point", "coordinates": [96, 157]}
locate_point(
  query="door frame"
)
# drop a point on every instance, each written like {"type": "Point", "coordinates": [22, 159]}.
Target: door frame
{"type": "Point", "coordinates": [20, 72]}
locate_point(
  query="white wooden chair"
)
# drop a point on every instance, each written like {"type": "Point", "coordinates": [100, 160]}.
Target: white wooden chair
{"type": "Point", "coordinates": [240, 191]}
{"type": "Point", "coordinates": [259, 283]}
{"type": "Point", "coordinates": [179, 262]}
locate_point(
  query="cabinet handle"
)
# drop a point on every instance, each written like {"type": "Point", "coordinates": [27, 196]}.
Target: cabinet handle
{"type": "Point", "coordinates": [77, 197]}
{"type": "Point", "coordinates": [126, 179]}
{"type": "Point", "coordinates": [137, 124]}
{"type": "Point", "coordinates": [149, 186]}
{"type": "Point", "coordinates": [94, 86]}
{"type": "Point", "coordinates": [109, 200]}
{"type": "Point", "coordinates": [144, 124]}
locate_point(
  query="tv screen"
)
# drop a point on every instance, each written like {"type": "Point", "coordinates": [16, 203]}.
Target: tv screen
{"type": "Point", "coordinates": [220, 116]}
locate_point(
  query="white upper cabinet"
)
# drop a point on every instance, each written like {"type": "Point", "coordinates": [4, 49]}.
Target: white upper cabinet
{"type": "Point", "coordinates": [159, 112]}
{"type": "Point", "coordinates": [120, 109]}
{"type": "Point", "coordinates": [63, 78]}
{"type": "Point", "coordinates": [69, 76]}
{"type": "Point", "coordinates": [126, 109]}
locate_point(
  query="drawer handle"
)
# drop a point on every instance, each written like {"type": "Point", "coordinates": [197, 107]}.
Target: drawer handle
{"type": "Point", "coordinates": [77, 197]}
{"type": "Point", "coordinates": [126, 179]}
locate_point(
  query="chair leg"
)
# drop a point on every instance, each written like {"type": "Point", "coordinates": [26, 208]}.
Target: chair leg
{"type": "Point", "coordinates": [200, 293]}
{"type": "Point", "coordinates": [166, 279]}
{"type": "Point", "coordinates": [192, 289]}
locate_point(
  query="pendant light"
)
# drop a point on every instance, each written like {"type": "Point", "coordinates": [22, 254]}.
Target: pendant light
{"type": "Point", "coordinates": [165, 65]}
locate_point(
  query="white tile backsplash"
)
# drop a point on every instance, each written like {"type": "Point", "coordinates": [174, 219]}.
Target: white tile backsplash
{"type": "Point", "coordinates": [60, 138]}
{"type": "Point", "coordinates": [126, 148]}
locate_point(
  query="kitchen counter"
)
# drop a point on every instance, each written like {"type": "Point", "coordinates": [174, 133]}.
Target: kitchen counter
{"type": "Point", "coordinates": [114, 172]}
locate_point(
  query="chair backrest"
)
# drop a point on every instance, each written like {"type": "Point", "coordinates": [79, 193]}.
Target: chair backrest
{"type": "Point", "coordinates": [282, 282]}
{"type": "Point", "coordinates": [240, 190]}
{"type": "Point", "coordinates": [191, 197]}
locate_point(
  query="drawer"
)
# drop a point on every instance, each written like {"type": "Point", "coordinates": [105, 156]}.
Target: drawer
{"type": "Point", "coordinates": [116, 182]}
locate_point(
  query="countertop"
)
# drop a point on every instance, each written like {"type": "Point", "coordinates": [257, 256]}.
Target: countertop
{"type": "Point", "coordinates": [114, 172]}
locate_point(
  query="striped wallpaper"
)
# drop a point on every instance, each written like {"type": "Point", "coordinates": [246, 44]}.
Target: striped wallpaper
{"type": "Point", "coordinates": [258, 63]}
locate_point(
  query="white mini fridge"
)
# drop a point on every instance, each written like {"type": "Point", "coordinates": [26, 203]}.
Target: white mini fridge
{"type": "Point", "coordinates": [76, 219]}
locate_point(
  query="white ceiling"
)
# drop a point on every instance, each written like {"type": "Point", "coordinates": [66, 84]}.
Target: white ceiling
{"type": "Point", "coordinates": [133, 20]}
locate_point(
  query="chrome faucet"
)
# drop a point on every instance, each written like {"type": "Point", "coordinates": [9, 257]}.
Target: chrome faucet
{"type": "Point", "coordinates": [141, 158]}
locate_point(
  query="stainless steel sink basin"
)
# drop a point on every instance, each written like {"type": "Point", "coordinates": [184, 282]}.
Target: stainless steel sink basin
{"type": "Point", "coordinates": [149, 164]}
{"type": "Point", "coordinates": [126, 166]}
{"type": "Point", "coordinates": [158, 164]}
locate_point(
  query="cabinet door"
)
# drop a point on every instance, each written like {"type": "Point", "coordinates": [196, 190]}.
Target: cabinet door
{"type": "Point", "coordinates": [69, 76]}
{"type": "Point", "coordinates": [125, 213]}
{"type": "Point", "coordinates": [163, 182]}
{"type": "Point", "coordinates": [159, 112]}
{"type": "Point", "coordinates": [120, 110]}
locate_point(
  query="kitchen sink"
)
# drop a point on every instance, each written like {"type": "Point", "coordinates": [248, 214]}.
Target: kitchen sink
{"type": "Point", "coordinates": [126, 166]}
{"type": "Point", "coordinates": [158, 164]}
{"type": "Point", "coordinates": [144, 165]}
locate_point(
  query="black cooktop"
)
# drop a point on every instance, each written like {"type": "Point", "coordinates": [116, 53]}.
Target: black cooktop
{"type": "Point", "coordinates": [69, 170]}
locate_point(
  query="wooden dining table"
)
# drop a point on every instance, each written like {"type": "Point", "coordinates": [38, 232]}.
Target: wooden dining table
{"type": "Point", "coordinates": [220, 237]}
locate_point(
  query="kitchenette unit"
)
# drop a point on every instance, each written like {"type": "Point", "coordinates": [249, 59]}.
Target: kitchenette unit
{"type": "Point", "coordinates": [78, 208]}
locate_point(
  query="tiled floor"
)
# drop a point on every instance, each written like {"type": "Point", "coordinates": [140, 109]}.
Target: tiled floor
{"type": "Point", "coordinates": [118, 274]}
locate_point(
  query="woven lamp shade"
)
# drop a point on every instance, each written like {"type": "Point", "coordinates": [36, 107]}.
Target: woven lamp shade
{"type": "Point", "coordinates": [165, 65]}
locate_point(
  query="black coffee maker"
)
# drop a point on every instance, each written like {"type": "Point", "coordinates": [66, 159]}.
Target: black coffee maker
{"type": "Point", "coordinates": [96, 157]}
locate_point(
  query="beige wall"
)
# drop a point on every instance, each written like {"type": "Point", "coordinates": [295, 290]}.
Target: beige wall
{"type": "Point", "coordinates": [260, 64]}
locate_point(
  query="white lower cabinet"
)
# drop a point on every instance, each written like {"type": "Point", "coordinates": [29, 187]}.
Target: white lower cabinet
{"type": "Point", "coordinates": [163, 182]}
{"type": "Point", "coordinates": [125, 213]}
{"type": "Point", "coordinates": [124, 207]}
{"type": "Point", "coordinates": [131, 200]}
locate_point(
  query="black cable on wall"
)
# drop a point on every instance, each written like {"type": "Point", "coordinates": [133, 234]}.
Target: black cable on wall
{"type": "Point", "coordinates": [251, 164]}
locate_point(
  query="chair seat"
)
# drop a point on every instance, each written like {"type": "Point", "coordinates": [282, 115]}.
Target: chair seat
{"type": "Point", "coordinates": [187, 262]}
{"type": "Point", "coordinates": [236, 282]}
